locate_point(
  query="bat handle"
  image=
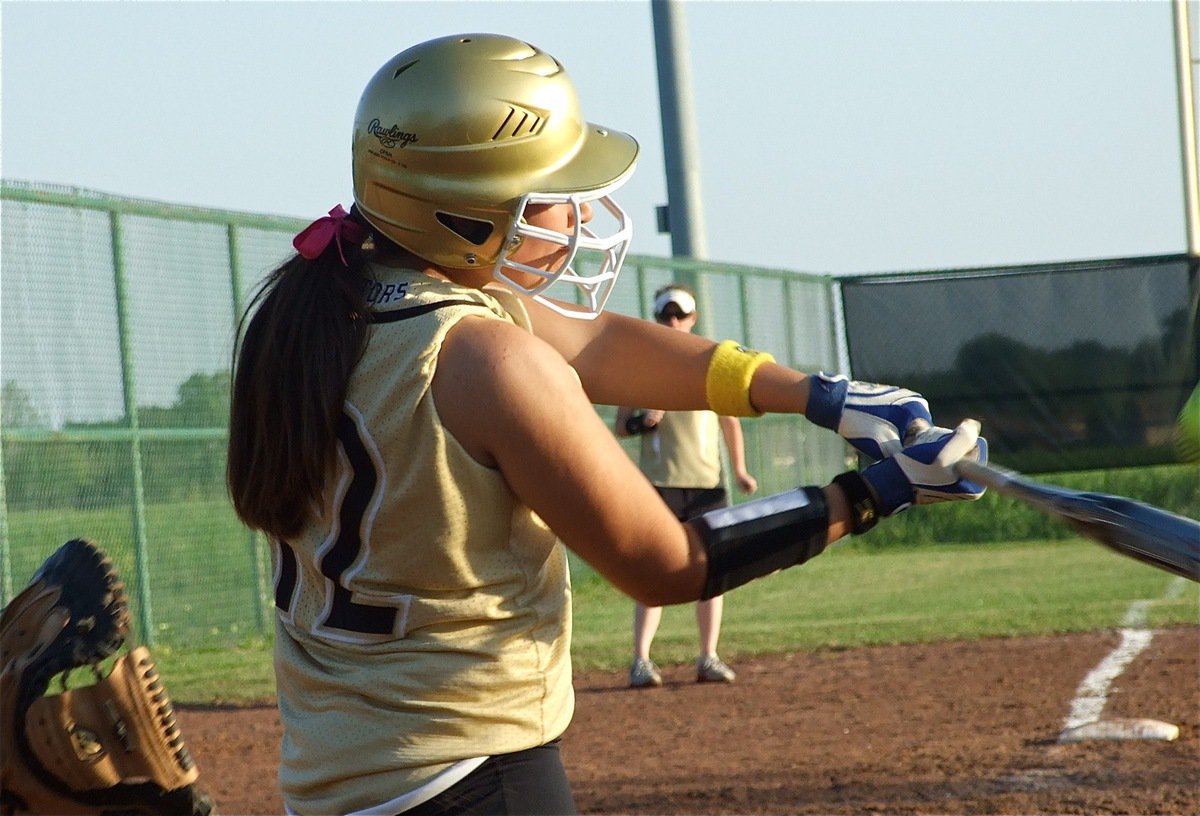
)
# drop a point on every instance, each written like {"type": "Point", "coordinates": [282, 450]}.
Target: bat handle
{"type": "Point", "coordinates": [982, 474]}
{"type": "Point", "coordinates": [986, 475]}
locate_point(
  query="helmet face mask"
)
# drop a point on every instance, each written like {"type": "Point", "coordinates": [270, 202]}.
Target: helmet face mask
{"type": "Point", "coordinates": [602, 252]}
{"type": "Point", "coordinates": [477, 128]}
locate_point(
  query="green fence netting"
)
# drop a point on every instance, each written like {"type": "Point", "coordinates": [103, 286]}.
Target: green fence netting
{"type": "Point", "coordinates": [117, 329]}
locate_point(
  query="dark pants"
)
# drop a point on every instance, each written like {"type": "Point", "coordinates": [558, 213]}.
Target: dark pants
{"type": "Point", "coordinates": [689, 502]}
{"type": "Point", "coordinates": [528, 782]}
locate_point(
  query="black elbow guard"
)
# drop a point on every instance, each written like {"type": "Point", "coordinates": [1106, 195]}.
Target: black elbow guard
{"type": "Point", "coordinates": [760, 537]}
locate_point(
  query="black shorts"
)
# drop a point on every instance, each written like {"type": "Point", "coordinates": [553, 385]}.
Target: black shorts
{"type": "Point", "coordinates": [689, 502]}
{"type": "Point", "coordinates": [527, 782]}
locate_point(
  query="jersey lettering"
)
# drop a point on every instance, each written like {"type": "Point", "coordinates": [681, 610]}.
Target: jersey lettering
{"type": "Point", "coordinates": [381, 294]}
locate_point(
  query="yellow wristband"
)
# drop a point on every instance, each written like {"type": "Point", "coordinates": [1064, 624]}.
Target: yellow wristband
{"type": "Point", "coordinates": [727, 384]}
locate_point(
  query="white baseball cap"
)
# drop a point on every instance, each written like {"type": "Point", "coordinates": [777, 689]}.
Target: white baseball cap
{"type": "Point", "coordinates": [680, 297]}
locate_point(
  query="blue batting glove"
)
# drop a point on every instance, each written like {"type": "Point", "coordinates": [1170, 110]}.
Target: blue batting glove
{"type": "Point", "coordinates": [923, 472]}
{"type": "Point", "coordinates": [873, 418]}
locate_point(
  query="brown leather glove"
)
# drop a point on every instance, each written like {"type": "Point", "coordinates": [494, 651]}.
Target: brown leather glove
{"type": "Point", "coordinates": [111, 747]}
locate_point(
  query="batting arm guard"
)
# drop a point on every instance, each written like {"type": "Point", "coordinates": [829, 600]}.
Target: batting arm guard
{"type": "Point", "coordinates": [760, 537]}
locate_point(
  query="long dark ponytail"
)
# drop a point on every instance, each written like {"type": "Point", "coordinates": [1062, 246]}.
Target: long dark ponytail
{"type": "Point", "coordinates": [299, 339]}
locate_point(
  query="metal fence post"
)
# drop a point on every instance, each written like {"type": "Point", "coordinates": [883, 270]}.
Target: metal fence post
{"type": "Point", "coordinates": [6, 590]}
{"type": "Point", "coordinates": [129, 393]}
{"type": "Point", "coordinates": [257, 567]}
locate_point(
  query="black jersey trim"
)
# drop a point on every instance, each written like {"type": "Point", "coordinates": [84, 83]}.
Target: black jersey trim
{"type": "Point", "coordinates": [344, 612]}
{"type": "Point", "coordinates": [397, 315]}
{"type": "Point", "coordinates": [285, 584]}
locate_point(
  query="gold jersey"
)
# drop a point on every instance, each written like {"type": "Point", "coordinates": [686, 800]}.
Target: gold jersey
{"type": "Point", "coordinates": [683, 450]}
{"type": "Point", "coordinates": [424, 615]}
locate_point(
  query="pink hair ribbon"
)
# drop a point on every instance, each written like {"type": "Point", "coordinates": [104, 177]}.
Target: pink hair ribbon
{"type": "Point", "coordinates": [316, 237]}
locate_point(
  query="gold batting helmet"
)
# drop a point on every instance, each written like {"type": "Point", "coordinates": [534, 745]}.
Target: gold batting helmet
{"type": "Point", "coordinates": [471, 129]}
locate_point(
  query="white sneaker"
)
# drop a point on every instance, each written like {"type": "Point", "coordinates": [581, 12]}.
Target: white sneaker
{"type": "Point", "coordinates": [712, 669]}
{"type": "Point", "coordinates": [644, 674]}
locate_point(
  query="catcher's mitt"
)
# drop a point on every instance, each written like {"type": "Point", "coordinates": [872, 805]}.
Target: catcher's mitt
{"type": "Point", "coordinates": [111, 747]}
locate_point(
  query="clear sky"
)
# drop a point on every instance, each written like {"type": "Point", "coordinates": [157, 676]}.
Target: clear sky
{"type": "Point", "coordinates": [833, 136]}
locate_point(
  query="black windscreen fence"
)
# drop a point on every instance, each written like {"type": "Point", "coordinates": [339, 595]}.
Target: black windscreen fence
{"type": "Point", "coordinates": [1068, 366]}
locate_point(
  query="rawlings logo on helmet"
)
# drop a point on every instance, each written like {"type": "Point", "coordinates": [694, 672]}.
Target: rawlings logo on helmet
{"type": "Point", "coordinates": [391, 137]}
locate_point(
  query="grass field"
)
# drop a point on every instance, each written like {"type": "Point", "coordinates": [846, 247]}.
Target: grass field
{"type": "Point", "coordinates": [847, 597]}
{"type": "Point", "coordinates": [851, 597]}
{"type": "Point", "coordinates": [931, 574]}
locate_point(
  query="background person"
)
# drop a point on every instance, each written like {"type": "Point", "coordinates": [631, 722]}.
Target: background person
{"type": "Point", "coordinates": [419, 444]}
{"type": "Point", "coordinates": [681, 458]}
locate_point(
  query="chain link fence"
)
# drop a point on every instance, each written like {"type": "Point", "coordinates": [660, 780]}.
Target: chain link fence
{"type": "Point", "coordinates": [117, 327]}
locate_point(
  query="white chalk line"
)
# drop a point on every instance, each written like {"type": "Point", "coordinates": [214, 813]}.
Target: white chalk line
{"type": "Point", "coordinates": [1092, 693]}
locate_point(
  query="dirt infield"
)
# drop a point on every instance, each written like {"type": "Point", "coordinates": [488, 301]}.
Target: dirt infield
{"type": "Point", "coordinates": [962, 728]}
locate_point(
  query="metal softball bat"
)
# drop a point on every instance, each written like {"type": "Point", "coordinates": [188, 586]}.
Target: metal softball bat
{"type": "Point", "coordinates": [1132, 528]}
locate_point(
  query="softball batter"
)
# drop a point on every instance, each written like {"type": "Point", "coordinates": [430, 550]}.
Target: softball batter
{"type": "Point", "coordinates": [412, 427]}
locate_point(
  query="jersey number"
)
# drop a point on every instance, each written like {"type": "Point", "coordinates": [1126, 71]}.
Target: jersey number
{"type": "Point", "coordinates": [344, 613]}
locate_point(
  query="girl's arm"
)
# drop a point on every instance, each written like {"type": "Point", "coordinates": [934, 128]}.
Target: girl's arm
{"type": "Point", "coordinates": [514, 404]}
